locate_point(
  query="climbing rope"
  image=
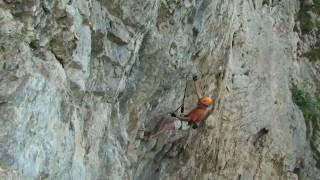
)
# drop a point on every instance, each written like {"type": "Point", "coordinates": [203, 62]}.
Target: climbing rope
{"type": "Point", "coordinates": [181, 107]}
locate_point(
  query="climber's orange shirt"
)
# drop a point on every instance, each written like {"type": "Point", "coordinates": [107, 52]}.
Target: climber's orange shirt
{"type": "Point", "coordinates": [197, 114]}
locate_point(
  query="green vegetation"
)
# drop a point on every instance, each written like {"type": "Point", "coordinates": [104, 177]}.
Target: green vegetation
{"type": "Point", "coordinates": [313, 54]}
{"type": "Point", "coordinates": [308, 23]}
{"type": "Point", "coordinates": [316, 2]}
{"type": "Point", "coordinates": [309, 106]}
{"type": "Point", "coordinates": [311, 112]}
{"type": "Point", "coordinates": [305, 19]}
{"type": "Point", "coordinates": [316, 153]}
{"type": "Point", "coordinates": [304, 16]}
{"type": "Point", "coordinates": [299, 173]}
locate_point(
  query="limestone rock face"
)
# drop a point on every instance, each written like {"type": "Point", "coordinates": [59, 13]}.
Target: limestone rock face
{"type": "Point", "coordinates": [81, 81]}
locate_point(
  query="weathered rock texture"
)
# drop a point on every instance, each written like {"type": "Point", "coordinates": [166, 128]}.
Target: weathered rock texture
{"type": "Point", "coordinates": [307, 67]}
{"type": "Point", "coordinates": [81, 80]}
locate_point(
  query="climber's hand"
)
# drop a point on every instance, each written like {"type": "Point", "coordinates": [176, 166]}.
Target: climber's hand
{"type": "Point", "coordinates": [173, 115]}
{"type": "Point", "coordinates": [182, 110]}
{"type": "Point", "coordinates": [195, 77]}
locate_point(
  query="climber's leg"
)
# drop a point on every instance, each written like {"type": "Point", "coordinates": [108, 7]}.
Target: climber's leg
{"type": "Point", "coordinates": [164, 122]}
{"type": "Point", "coordinates": [166, 125]}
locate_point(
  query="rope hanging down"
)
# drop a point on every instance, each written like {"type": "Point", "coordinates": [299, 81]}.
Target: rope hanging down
{"type": "Point", "coordinates": [182, 105]}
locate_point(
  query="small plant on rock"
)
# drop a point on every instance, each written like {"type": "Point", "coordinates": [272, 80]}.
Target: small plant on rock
{"type": "Point", "coordinates": [308, 105]}
{"type": "Point", "coordinates": [313, 54]}
{"type": "Point", "coordinates": [311, 112]}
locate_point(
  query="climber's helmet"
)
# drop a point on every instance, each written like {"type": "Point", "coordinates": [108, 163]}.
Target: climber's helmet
{"type": "Point", "coordinates": [205, 100]}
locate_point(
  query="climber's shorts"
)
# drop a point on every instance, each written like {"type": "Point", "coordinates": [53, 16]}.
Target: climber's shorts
{"type": "Point", "coordinates": [181, 125]}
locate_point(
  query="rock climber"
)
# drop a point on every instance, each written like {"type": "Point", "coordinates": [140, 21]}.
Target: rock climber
{"type": "Point", "coordinates": [192, 119]}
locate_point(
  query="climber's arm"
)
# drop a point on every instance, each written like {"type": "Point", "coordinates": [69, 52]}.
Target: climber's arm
{"type": "Point", "coordinates": [196, 84]}
{"type": "Point", "coordinates": [183, 118]}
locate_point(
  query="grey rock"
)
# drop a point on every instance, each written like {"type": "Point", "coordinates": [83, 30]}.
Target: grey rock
{"type": "Point", "coordinates": [81, 82]}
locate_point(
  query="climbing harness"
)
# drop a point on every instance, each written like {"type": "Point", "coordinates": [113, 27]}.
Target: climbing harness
{"type": "Point", "coordinates": [192, 124]}
{"type": "Point", "coordinates": [180, 125]}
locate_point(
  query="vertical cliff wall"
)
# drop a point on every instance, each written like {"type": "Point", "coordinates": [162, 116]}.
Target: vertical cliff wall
{"type": "Point", "coordinates": [81, 81]}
